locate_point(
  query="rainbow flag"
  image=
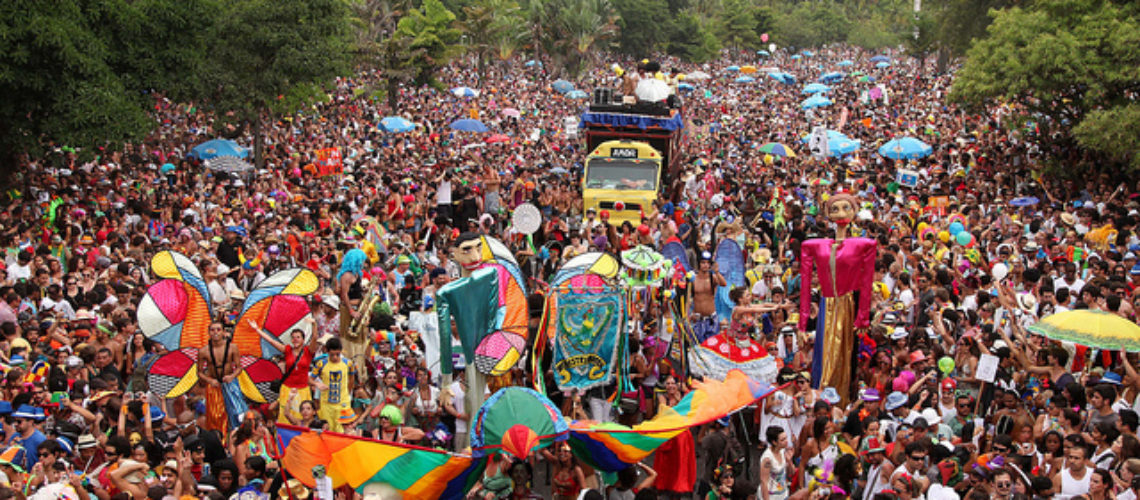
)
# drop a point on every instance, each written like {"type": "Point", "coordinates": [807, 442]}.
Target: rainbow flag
{"type": "Point", "coordinates": [424, 473]}
{"type": "Point", "coordinates": [416, 472]}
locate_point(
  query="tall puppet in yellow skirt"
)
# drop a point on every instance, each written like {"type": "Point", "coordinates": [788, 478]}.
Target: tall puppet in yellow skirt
{"type": "Point", "coordinates": [846, 274]}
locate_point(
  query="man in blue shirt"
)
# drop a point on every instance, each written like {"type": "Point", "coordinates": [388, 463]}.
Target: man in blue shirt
{"type": "Point", "coordinates": [28, 435]}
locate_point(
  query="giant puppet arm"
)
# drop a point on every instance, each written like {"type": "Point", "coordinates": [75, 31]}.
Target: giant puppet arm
{"type": "Point", "coordinates": [474, 304]}
{"type": "Point", "coordinates": [853, 269]}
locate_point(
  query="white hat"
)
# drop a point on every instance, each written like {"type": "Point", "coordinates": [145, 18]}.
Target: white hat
{"type": "Point", "coordinates": [1027, 302]}
{"type": "Point", "coordinates": [931, 416]}
{"type": "Point", "coordinates": [331, 300]}
{"type": "Point", "coordinates": [899, 333]}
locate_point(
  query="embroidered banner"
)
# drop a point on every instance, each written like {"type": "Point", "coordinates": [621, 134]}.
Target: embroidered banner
{"type": "Point", "coordinates": [589, 326]}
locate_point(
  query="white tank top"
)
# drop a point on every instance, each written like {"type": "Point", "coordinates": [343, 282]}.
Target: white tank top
{"type": "Point", "coordinates": [1071, 487]}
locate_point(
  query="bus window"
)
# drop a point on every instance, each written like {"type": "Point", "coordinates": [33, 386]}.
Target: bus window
{"type": "Point", "coordinates": [622, 175]}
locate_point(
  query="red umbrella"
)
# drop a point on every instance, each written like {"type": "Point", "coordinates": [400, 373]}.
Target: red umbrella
{"type": "Point", "coordinates": [496, 138]}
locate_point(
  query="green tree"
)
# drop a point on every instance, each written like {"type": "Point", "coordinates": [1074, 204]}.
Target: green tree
{"type": "Point", "coordinates": [810, 24]}
{"type": "Point", "coordinates": [691, 42]}
{"type": "Point", "coordinates": [271, 57]}
{"type": "Point", "coordinates": [581, 29]}
{"type": "Point", "coordinates": [433, 35]}
{"type": "Point", "coordinates": [923, 40]}
{"type": "Point", "coordinates": [736, 25]}
{"type": "Point", "coordinates": [377, 48]}
{"type": "Point", "coordinates": [78, 74]}
{"type": "Point", "coordinates": [492, 28]}
{"type": "Point", "coordinates": [1065, 62]}
{"type": "Point", "coordinates": [644, 26]}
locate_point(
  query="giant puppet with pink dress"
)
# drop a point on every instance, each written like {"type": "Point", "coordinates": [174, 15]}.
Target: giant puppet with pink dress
{"type": "Point", "coordinates": [844, 267]}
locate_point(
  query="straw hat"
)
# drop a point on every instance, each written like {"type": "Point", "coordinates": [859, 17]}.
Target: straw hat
{"type": "Point", "coordinates": [293, 488]}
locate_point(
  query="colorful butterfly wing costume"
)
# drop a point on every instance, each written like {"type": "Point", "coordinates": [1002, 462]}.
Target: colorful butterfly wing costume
{"type": "Point", "coordinates": [176, 312]}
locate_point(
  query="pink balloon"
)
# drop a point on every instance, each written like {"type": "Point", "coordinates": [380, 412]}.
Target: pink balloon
{"type": "Point", "coordinates": [764, 37]}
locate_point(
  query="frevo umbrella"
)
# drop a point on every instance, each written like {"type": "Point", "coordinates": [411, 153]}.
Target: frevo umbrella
{"type": "Point", "coordinates": [748, 70]}
{"type": "Point", "coordinates": [562, 86]}
{"type": "Point", "coordinates": [815, 101]}
{"type": "Point", "coordinates": [777, 149]}
{"type": "Point", "coordinates": [516, 421]}
{"type": "Point", "coordinates": [734, 68]}
{"type": "Point", "coordinates": [464, 92]}
{"type": "Point", "coordinates": [905, 148]}
{"type": "Point", "coordinates": [468, 125]}
{"type": "Point", "coordinates": [1092, 328]}
{"type": "Point", "coordinates": [744, 79]}
{"type": "Point", "coordinates": [396, 124]}
{"type": "Point", "coordinates": [218, 147]}
{"type": "Point", "coordinates": [882, 65]}
{"type": "Point", "coordinates": [815, 88]}
{"type": "Point", "coordinates": [880, 58]}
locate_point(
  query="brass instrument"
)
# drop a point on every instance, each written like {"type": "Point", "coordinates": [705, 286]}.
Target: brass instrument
{"type": "Point", "coordinates": [358, 329]}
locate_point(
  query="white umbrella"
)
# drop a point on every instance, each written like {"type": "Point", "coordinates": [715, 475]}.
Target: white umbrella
{"type": "Point", "coordinates": [698, 75]}
{"type": "Point", "coordinates": [651, 90]}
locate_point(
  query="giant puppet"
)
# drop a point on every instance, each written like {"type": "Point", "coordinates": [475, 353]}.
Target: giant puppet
{"type": "Point", "coordinates": [846, 273]}
{"type": "Point", "coordinates": [488, 305]}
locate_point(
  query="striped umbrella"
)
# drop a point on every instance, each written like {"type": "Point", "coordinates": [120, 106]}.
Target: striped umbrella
{"type": "Point", "coordinates": [777, 149]}
{"type": "Point", "coordinates": [1097, 329]}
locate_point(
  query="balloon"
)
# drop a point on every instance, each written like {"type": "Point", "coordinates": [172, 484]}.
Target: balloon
{"type": "Point", "coordinates": [771, 47]}
{"type": "Point", "coordinates": [921, 226]}
{"type": "Point", "coordinates": [956, 227]}
{"type": "Point", "coordinates": [999, 271]}
{"type": "Point", "coordinates": [964, 238]}
{"type": "Point", "coordinates": [946, 364]}
{"type": "Point", "coordinates": [764, 38]}
{"type": "Point", "coordinates": [944, 236]}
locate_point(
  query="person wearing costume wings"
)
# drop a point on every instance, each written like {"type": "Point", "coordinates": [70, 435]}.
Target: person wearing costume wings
{"type": "Point", "coordinates": [176, 312]}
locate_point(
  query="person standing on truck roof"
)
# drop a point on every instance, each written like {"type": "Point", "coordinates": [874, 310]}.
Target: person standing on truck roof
{"type": "Point", "coordinates": [704, 286]}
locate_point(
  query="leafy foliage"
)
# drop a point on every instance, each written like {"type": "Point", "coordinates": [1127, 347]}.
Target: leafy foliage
{"type": "Point", "coordinates": [433, 35]}
{"type": "Point", "coordinates": [1062, 61]}
{"type": "Point", "coordinates": [79, 74]}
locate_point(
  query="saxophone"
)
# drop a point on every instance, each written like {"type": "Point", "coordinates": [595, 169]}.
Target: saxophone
{"type": "Point", "coordinates": [359, 327]}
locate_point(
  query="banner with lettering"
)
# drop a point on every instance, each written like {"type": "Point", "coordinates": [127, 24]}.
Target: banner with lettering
{"type": "Point", "coordinates": [586, 340]}
{"type": "Point", "coordinates": [329, 162]}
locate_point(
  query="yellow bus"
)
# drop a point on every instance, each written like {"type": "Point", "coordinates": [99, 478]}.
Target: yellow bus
{"type": "Point", "coordinates": [622, 177]}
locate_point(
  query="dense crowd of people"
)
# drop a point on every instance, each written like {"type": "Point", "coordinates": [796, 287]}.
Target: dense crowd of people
{"type": "Point", "coordinates": [1054, 419]}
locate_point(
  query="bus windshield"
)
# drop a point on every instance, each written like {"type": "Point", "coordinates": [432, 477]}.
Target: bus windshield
{"type": "Point", "coordinates": [610, 173]}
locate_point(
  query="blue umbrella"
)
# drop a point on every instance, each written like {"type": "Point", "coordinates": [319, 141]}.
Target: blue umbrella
{"type": "Point", "coordinates": [732, 68]}
{"type": "Point", "coordinates": [782, 77]}
{"type": "Point", "coordinates": [464, 92]}
{"type": "Point", "coordinates": [845, 62]}
{"type": "Point", "coordinates": [576, 94]}
{"type": "Point", "coordinates": [685, 86]}
{"type": "Point", "coordinates": [880, 58]}
{"type": "Point", "coordinates": [562, 86]}
{"type": "Point", "coordinates": [808, 53]}
{"type": "Point", "coordinates": [838, 144]}
{"type": "Point", "coordinates": [833, 76]}
{"type": "Point", "coordinates": [764, 53]}
{"type": "Point", "coordinates": [532, 62]}
{"type": "Point", "coordinates": [1024, 201]}
{"type": "Point", "coordinates": [815, 88]}
{"type": "Point", "coordinates": [218, 147]}
{"type": "Point", "coordinates": [882, 65]}
{"type": "Point", "coordinates": [468, 125]}
{"type": "Point", "coordinates": [905, 148]}
{"type": "Point", "coordinates": [815, 101]}
{"type": "Point", "coordinates": [396, 124]}
{"type": "Point", "coordinates": [166, 168]}
{"type": "Point", "coordinates": [744, 79]}
{"type": "Point", "coordinates": [797, 57]}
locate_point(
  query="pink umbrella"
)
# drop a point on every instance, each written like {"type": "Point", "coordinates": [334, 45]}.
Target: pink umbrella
{"type": "Point", "coordinates": [511, 112]}
{"type": "Point", "coordinates": [496, 138]}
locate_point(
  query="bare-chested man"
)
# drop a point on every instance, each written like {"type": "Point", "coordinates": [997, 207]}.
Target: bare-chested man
{"type": "Point", "coordinates": [218, 368]}
{"type": "Point", "coordinates": [703, 298]}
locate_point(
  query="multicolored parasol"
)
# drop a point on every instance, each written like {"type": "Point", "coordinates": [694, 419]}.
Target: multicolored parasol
{"type": "Point", "coordinates": [516, 420]}
{"type": "Point", "coordinates": [1097, 329]}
